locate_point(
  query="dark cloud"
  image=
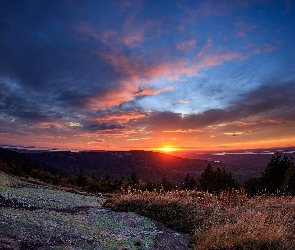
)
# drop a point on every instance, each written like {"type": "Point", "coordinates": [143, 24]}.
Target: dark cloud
{"type": "Point", "coordinates": [18, 104]}
{"type": "Point", "coordinates": [39, 50]}
{"type": "Point", "coordinates": [271, 100]}
{"type": "Point", "coordinates": [12, 131]}
{"type": "Point", "coordinates": [268, 101]}
{"type": "Point", "coordinates": [96, 126]}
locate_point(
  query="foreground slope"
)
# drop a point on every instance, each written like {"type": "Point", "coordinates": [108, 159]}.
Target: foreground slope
{"type": "Point", "coordinates": [39, 217]}
{"type": "Point", "coordinates": [228, 221]}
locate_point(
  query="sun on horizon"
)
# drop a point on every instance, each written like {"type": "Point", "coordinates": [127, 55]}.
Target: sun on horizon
{"type": "Point", "coordinates": [167, 149]}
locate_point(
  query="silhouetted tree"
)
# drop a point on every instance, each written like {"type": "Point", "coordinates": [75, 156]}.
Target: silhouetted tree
{"type": "Point", "coordinates": [253, 186]}
{"type": "Point", "coordinates": [216, 181]}
{"type": "Point", "coordinates": [165, 184]}
{"type": "Point", "coordinates": [273, 176]}
{"type": "Point", "coordinates": [133, 181]}
{"type": "Point", "coordinates": [81, 178]}
{"type": "Point", "coordinates": [189, 183]}
{"type": "Point", "coordinates": [150, 185]}
{"type": "Point", "coordinates": [278, 176]}
{"type": "Point", "coordinates": [4, 167]}
{"type": "Point", "coordinates": [289, 179]}
{"type": "Point", "coordinates": [206, 181]}
{"type": "Point", "coordinates": [119, 183]}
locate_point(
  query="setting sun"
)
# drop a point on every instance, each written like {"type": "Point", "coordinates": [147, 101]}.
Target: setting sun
{"type": "Point", "coordinates": [167, 149]}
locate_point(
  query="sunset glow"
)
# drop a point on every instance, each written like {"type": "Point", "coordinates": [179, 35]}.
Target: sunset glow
{"type": "Point", "coordinates": [167, 149]}
{"type": "Point", "coordinates": [147, 75]}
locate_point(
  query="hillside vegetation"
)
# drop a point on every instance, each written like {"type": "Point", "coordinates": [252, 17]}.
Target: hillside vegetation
{"type": "Point", "coordinates": [260, 215]}
{"type": "Point", "coordinates": [225, 221]}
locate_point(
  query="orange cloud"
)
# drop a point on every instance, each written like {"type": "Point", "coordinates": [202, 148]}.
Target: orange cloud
{"type": "Point", "coordinates": [134, 69]}
{"type": "Point", "coordinates": [112, 98]}
{"type": "Point", "coordinates": [218, 59]}
{"type": "Point", "coordinates": [96, 142]}
{"type": "Point", "coordinates": [139, 139]}
{"type": "Point", "coordinates": [122, 117]}
{"type": "Point", "coordinates": [125, 93]}
{"type": "Point", "coordinates": [145, 92]}
{"type": "Point", "coordinates": [271, 121]}
{"type": "Point", "coordinates": [183, 131]}
{"type": "Point", "coordinates": [50, 124]}
{"type": "Point", "coordinates": [244, 123]}
{"type": "Point", "coordinates": [133, 39]}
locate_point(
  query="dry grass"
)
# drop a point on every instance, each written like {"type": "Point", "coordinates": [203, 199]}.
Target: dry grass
{"type": "Point", "coordinates": [227, 221]}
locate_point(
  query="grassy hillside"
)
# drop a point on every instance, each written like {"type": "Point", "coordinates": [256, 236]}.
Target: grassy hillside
{"type": "Point", "coordinates": [226, 221]}
{"type": "Point", "coordinates": [38, 217]}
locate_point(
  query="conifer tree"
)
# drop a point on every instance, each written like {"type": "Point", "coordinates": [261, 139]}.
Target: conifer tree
{"type": "Point", "coordinates": [273, 176]}
{"type": "Point", "coordinates": [189, 183]}
{"type": "Point", "coordinates": [289, 179]}
{"type": "Point", "coordinates": [216, 181]}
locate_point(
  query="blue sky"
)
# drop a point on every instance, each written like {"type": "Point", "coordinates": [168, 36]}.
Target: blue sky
{"type": "Point", "coordinates": [147, 74]}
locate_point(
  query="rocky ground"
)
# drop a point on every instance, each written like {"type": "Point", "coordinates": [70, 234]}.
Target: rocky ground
{"type": "Point", "coordinates": [39, 217]}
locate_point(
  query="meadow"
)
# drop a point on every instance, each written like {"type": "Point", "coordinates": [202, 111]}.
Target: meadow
{"type": "Point", "coordinates": [229, 220]}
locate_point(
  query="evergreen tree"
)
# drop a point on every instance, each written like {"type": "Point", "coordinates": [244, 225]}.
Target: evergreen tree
{"type": "Point", "coordinates": [189, 183]}
{"type": "Point", "coordinates": [165, 184]}
{"type": "Point", "coordinates": [4, 167]}
{"type": "Point", "coordinates": [206, 179]}
{"type": "Point", "coordinates": [133, 181]}
{"type": "Point", "coordinates": [273, 176]}
{"type": "Point", "coordinates": [150, 185]}
{"type": "Point", "coordinates": [279, 175]}
{"type": "Point", "coordinates": [253, 186]}
{"type": "Point", "coordinates": [216, 181]}
{"type": "Point", "coordinates": [119, 183]}
{"type": "Point", "coordinates": [289, 179]}
{"type": "Point", "coordinates": [81, 178]}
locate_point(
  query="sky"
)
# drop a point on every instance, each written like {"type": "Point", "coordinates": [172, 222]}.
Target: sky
{"type": "Point", "coordinates": [144, 74]}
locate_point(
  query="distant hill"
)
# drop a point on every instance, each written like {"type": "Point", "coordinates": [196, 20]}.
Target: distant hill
{"type": "Point", "coordinates": [117, 164]}
{"type": "Point", "coordinates": [21, 163]}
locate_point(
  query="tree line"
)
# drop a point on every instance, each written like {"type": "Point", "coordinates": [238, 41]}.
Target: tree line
{"type": "Point", "coordinates": [277, 178]}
